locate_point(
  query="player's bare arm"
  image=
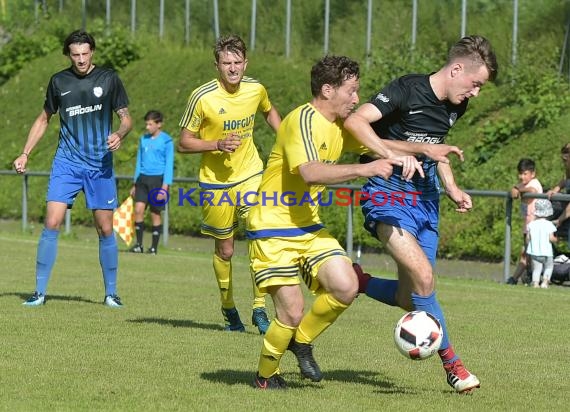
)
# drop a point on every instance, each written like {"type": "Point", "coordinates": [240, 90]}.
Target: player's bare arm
{"type": "Point", "coordinates": [273, 118]}
{"type": "Point", "coordinates": [437, 152]}
{"type": "Point", "coordinates": [36, 132]}
{"type": "Point", "coordinates": [358, 124]}
{"type": "Point", "coordinates": [314, 173]}
{"type": "Point", "coordinates": [461, 199]}
{"type": "Point", "coordinates": [190, 142]}
{"type": "Point", "coordinates": [115, 138]}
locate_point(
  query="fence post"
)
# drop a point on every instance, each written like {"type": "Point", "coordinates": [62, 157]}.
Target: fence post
{"type": "Point", "coordinates": [133, 16]}
{"type": "Point", "coordinates": [349, 236]}
{"type": "Point", "coordinates": [507, 255]}
{"type": "Point", "coordinates": [25, 203]}
{"type": "Point", "coordinates": [68, 221]}
{"type": "Point", "coordinates": [165, 226]}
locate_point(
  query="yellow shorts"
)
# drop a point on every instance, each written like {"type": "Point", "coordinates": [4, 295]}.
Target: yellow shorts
{"type": "Point", "coordinates": [221, 208]}
{"type": "Point", "coordinates": [280, 261]}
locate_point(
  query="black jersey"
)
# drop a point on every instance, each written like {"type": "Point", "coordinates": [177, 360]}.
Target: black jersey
{"type": "Point", "coordinates": [412, 112]}
{"type": "Point", "coordinates": [86, 105]}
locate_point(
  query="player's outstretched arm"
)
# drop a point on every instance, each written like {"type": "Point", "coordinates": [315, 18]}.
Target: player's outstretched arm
{"type": "Point", "coordinates": [358, 124]}
{"type": "Point", "coordinates": [315, 173]}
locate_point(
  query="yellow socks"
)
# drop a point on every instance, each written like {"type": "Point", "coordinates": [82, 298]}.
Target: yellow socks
{"type": "Point", "coordinates": [223, 272]}
{"type": "Point", "coordinates": [275, 343]}
{"type": "Point", "coordinates": [325, 310]}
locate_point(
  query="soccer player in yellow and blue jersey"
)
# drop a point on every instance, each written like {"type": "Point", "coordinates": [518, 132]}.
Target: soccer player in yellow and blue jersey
{"type": "Point", "coordinates": [218, 122]}
{"type": "Point", "coordinates": [287, 237]}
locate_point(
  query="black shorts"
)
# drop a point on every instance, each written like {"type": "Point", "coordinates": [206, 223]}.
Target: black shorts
{"type": "Point", "coordinates": [145, 185]}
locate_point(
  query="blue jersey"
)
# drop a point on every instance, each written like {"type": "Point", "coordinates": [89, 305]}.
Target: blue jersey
{"type": "Point", "coordinates": [155, 157]}
{"type": "Point", "coordinates": [412, 112]}
{"type": "Point", "coordinates": [86, 105]}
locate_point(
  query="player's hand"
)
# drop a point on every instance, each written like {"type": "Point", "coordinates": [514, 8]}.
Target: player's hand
{"type": "Point", "coordinates": [410, 165]}
{"type": "Point", "coordinates": [132, 192]}
{"type": "Point", "coordinates": [515, 192]}
{"type": "Point", "coordinates": [20, 163]}
{"type": "Point", "coordinates": [383, 167]}
{"type": "Point", "coordinates": [229, 144]}
{"type": "Point", "coordinates": [113, 142]}
{"type": "Point", "coordinates": [461, 199]}
{"type": "Point", "coordinates": [440, 152]}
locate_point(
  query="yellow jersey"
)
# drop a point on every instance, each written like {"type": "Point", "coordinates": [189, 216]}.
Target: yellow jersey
{"type": "Point", "coordinates": [285, 205]}
{"type": "Point", "coordinates": [213, 114]}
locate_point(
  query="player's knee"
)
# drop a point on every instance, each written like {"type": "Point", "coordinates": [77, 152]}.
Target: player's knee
{"type": "Point", "coordinates": [291, 316]}
{"type": "Point", "coordinates": [347, 291]}
{"type": "Point", "coordinates": [424, 284]}
{"type": "Point", "coordinates": [52, 224]}
{"type": "Point", "coordinates": [225, 253]}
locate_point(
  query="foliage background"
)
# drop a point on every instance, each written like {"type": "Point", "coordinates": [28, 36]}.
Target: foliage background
{"type": "Point", "coordinates": [524, 114]}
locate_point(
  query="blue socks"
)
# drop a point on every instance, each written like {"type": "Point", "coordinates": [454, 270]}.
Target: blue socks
{"type": "Point", "coordinates": [47, 251]}
{"type": "Point", "coordinates": [431, 305]}
{"type": "Point", "coordinates": [383, 290]}
{"type": "Point", "coordinates": [109, 260]}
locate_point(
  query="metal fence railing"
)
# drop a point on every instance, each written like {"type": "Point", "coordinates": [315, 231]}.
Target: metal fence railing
{"type": "Point", "coordinates": [213, 14]}
{"type": "Point", "coordinates": [350, 209]}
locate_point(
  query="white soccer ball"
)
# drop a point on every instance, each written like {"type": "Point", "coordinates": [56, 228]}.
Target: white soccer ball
{"type": "Point", "coordinates": [418, 335]}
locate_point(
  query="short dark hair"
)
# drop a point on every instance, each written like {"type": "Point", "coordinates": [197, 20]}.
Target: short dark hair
{"type": "Point", "coordinates": [153, 115]}
{"type": "Point", "coordinates": [232, 43]}
{"type": "Point", "coordinates": [565, 149]}
{"type": "Point", "coordinates": [333, 70]}
{"type": "Point", "coordinates": [78, 36]}
{"type": "Point", "coordinates": [526, 165]}
{"type": "Point", "coordinates": [477, 49]}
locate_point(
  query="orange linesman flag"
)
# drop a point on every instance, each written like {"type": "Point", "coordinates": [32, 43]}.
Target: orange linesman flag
{"type": "Point", "coordinates": [124, 219]}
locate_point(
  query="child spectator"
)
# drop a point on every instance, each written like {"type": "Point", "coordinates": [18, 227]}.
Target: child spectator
{"type": "Point", "coordinates": [541, 235]}
{"type": "Point", "coordinates": [153, 176]}
{"type": "Point", "coordinates": [528, 183]}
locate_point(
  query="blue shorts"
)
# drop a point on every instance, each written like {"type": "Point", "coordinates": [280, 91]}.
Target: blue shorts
{"type": "Point", "coordinates": [67, 180]}
{"type": "Point", "coordinates": [418, 217]}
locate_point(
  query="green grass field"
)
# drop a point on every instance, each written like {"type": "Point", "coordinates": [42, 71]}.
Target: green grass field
{"type": "Point", "coordinates": [166, 350]}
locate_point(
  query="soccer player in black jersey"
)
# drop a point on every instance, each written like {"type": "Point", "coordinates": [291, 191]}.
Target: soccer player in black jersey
{"type": "Point", "coordinates": [416, 110]}
{"type": "Point", "coordinates": [85, 96]}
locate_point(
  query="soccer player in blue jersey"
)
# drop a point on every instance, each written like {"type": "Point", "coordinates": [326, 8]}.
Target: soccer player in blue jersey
{"type": "Point", "coordinates": [218, 123]}
{"type": "Point", "coordinates": [85, 96]}
{"type": "Point", "coordinates": [153, 177]}
{"type": "Point", "coordinates": [420, 109]}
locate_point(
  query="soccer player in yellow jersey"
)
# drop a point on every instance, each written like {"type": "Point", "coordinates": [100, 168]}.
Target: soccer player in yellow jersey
{"type": "Point", "coordinates": [287, 238]}
{"type": "Point", "coordinates": [218, 122]}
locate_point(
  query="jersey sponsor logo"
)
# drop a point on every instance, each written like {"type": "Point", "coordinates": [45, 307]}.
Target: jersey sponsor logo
{"type": "Point", "coordinates": [415, 111]}
{"type": "Point", "coordinates": [382, 97]}
{"type": "Point", "coordinates": [236, 124]}
{"type": "Point", "coordinates": [452, 118]}
{"type": "Point", "coordinates": [425, 139]}
{"type": "Point", "coordinates": [75, 110]}
{"type": "Point", "coordinates": [64, 93]}
{"type": "Point", "coordinates": [323, 146]}
{"type": "Point", "coordinates": [222, 111]}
